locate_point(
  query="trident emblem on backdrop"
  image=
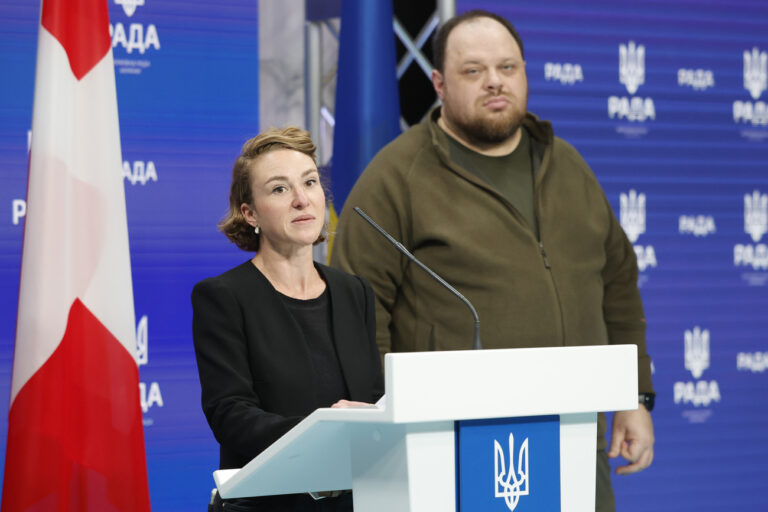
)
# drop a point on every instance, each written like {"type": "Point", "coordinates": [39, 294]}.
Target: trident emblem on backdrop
{"type": "Point", "coordinates": [142, 349]}
{"type": "Point", "coordinates": [632, 66]}
{"type": "Point", "coordinates": [756, 215]}
{"type": "Point", "coordinates": [696, 351]}
{"type": "Point", "coordinates": [755, 72]}
{"type": "Point", "coordinates": [129, 6]}
{"type": "Point", "coordinates": [632, 214]}
{"type": "Point", "coordinates": [513, 483]}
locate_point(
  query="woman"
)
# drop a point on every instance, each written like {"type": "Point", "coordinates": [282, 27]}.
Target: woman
{"type": "Point", "coordinates": [280, 335]}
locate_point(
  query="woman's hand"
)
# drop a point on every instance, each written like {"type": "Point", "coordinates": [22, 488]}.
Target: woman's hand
{"type": "Point", "coordinates": [342, 404]}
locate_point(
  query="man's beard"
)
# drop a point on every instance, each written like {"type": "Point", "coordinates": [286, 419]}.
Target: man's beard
{"type": "Point", "coordinates": [487, 131]}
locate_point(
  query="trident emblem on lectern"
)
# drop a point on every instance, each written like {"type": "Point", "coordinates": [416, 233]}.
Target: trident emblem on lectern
{"type": "Point", "coordinates": [513, 483]}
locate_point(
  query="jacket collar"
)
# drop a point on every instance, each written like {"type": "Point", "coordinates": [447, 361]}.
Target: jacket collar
{"type": "Point", "coordinates": [540, 131]}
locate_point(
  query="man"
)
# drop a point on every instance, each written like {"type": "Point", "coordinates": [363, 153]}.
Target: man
{"type": "Point", "coordinates": [483, 193]}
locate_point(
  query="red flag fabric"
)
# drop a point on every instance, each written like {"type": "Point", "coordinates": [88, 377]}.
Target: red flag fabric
{"type": "Point", "coordinates": [75, 435]}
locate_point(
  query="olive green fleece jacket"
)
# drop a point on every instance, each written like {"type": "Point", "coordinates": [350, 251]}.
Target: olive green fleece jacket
{"type": "Point", "coordinates": [574, 285]}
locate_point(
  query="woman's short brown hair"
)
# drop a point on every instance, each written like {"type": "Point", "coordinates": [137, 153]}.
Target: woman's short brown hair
{"type": "Point", "coordinates": [233, 225]}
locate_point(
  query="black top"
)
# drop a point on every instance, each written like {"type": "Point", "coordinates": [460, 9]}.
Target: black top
{"type": "Point", "coordinates": [314, 319]}
{"type": "Point", "coordinates": [257, 367]}
{"type": "Point", "coordinates": [261, 357]}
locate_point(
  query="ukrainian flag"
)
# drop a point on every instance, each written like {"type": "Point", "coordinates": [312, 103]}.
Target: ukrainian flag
{"type": "Point", "coordinates": [367, 101]}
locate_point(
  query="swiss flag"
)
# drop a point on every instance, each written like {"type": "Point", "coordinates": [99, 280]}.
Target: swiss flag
{"type": "Point", "coordinates": [75, 435]}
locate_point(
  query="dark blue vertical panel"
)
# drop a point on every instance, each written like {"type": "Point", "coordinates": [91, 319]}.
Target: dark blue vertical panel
{"type": "Point", "coordinates": [18, 44]}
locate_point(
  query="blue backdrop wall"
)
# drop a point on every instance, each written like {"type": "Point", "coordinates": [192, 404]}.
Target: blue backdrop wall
{"type": "Point", "coordinates": [666, 100]}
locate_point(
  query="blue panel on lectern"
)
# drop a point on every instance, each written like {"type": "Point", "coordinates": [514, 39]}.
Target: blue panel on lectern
{"type": "Point", "coordinates": [508, 464]}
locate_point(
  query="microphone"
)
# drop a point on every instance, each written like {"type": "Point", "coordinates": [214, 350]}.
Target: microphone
{"type": "Point", "coordinates": [476, 345]}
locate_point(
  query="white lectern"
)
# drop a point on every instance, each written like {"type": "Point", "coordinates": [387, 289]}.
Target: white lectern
{"type": "Point", "coordinates": [401, 456]}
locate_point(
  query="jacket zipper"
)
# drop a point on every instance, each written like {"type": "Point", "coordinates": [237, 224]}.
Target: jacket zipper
{"type": "Point", "coordinates": [544, 255]}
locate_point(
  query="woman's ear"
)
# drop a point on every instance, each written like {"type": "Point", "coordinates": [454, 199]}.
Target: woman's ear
{"type": "Point", "coordinates": [249, 215]}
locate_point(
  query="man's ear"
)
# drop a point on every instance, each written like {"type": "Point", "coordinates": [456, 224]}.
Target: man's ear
{"type": "Point", "coordinates": [438, 83]}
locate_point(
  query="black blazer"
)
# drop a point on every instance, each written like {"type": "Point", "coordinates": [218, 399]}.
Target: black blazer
{"type": "Point", "coordinates": [255, 365]}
